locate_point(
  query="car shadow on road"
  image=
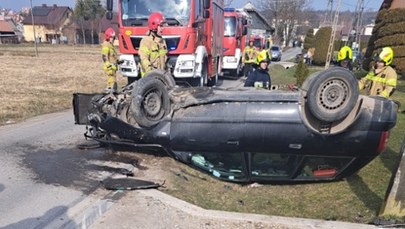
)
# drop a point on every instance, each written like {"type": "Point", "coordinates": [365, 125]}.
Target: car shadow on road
{"type": "Point", "coordinates": [371, 200]}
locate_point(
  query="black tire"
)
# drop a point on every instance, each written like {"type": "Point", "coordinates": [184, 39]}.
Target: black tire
{"type": "Point", "coordinates": [165, 77]}
{"type": "Point", "coordinates": [307, 82]}
{"type": "Point", "coordinates": [202, 81]}
{"type": "Point", "coordinates": [131, 79]}
{"type": "Point", "coordinates": [332, 94]}
{"type": "Point", "coordinates": [150, 101]}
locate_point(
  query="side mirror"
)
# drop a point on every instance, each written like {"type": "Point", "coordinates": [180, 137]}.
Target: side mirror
{"type": "Point", "coordinates": [109, 15]}
{"type": "Point", "coordinates": [244, 32]}
{"type": "Point", "coordinates": [109, 5]}
{"type": "Point", "coordinates": [206, 14]}
{"type": "Point", "coordinates": [206, 4]}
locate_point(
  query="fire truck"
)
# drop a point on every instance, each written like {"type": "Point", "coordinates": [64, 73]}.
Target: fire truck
{"type": "Point", "coordinates": [235, 31]}
{"type": "Point", "coordinates": [193, 33]}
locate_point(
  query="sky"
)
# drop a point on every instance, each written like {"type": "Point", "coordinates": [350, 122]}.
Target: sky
{"type": "Point", "coordinates": [374, 5]}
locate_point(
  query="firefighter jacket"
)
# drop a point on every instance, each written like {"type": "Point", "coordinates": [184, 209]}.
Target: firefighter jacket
{"type": "Point", "coordinates": [249, 55]}
{"type": "Point", "coordinates": [259, 78]}
{"type": "Point", "coordinates": [111, 56]}
{"type": "Point", "coordinates": [153, 53]}
{"type": "Point", "coordinates": [380, 82]}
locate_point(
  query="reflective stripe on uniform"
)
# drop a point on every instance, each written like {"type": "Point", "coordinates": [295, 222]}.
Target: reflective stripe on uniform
{"type": "Point", "coordinates": [389, 82]}
{"type": "Point", "coordinates": [153, 54]}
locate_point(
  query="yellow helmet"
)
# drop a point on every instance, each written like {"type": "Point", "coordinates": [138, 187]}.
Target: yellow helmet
{"type": "Point", "coordinates": [263, 57]}
{"type": "Point", "coordinates": [386, 55]}
{"type": "Point", "coordinates": [345, 52]}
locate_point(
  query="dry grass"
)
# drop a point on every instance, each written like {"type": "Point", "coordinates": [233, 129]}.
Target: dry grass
{"type": "Point", "coordinates": [44, 84]}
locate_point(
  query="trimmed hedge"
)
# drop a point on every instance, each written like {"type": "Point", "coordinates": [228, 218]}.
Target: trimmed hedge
{"type": "Point", "coordinates": [309, 39]}
{"type": "Point", "coordinates": [322, 38]}
{"type": "Point", "coordinates": [388, 31]}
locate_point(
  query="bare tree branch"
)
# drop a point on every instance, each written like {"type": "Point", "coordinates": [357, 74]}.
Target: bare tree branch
{"type": "Point", "coordinates": [284, 16]}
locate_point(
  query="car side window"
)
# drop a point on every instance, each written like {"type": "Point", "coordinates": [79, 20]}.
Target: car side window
{"type": "Point", "coordinates": [272, 165]}
{"type": "Point", "coordinates": [323, 166]}
{"type": "Point", "coordinates": [228, 165]}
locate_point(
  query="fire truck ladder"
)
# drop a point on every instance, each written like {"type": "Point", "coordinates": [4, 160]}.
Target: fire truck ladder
{"type": "Point", "coordinates": [332, 36]}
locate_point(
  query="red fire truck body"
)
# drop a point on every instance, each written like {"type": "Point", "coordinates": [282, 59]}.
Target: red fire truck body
{"type": "Point", "coordinates": [235, 31]}
{"type": "Point", "coordinates": [193, 34]}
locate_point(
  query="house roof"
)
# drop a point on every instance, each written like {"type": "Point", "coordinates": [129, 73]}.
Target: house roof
{"type": "Point", "coordinates": [249, 8]}
{"type": "Point", "coordinates": [5, 27]}
{"type": "Point", "coordinates": [47, 15]}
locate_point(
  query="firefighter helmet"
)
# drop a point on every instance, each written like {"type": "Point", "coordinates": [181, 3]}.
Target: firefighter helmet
{"type": "Point", "coordinates": [109, 33]}
{"type": "Point", "coordinates": [386, 55]}
{"type": "Point", "coordinates": [345, 53]}
{"type": "Point", "coordinates": [263, 57]}
{"type": "Point", "coordinates": [155, 19]}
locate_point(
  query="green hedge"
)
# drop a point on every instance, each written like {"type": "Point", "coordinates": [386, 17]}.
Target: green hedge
{"type": "Point", "coordinates": [321, 39]}
{"type": "Point", "coordinates": [309, 39]}
{"type": "Point", "coordinates": [388, 31]}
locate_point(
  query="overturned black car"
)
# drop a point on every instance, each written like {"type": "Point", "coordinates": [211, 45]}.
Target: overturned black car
{"type": "Point", "coordinates": [323, 131]}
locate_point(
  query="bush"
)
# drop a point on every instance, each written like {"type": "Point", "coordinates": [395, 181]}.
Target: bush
{"type": "Point", "coordinates": [321, 44]}
{"type": "Point", "coordinates": [301, 72]}
{"type": "Point", "coordinates": [309, 39]}
{"type": "Point", "coordinates": [388, 31]}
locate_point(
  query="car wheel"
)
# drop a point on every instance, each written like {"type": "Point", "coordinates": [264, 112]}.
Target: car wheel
{"type": "Point", "coordinates": [150, 101]}
{"type": "Point", "coordinates": [165, 77]}
{"type": "Point", "coordinates": [332, 94]}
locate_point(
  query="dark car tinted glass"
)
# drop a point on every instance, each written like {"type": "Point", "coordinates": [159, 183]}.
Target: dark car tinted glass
{"type": "Point", "coordinates": [228, 166]}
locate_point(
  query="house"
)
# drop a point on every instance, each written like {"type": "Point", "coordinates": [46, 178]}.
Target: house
{"type": "Point", "coordinates": [258, 24]}
{"type": "Point", "coordinates": [49, 23]}
{"type": "Point", "coordinates": [8, 32]}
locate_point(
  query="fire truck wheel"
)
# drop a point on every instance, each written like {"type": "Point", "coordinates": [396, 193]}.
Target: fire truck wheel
{"type": "Point", "coordinates": [165, 77]}
{"type": "Point", "coordinates": [213, 81]}
{"type": "Point", "coordinates": [150, 101]}
{"type": "Point", "coordinates": [332, 94]}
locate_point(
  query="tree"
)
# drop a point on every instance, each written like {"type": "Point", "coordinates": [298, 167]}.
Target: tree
{"type": "Point", "coordinates": [321, 44]}
{"type": "Point", "coordinates": [88, 14]}
{"type": "Point", "coordinates": [80, 17]}
{"type": "Point", "coordinates": [301, 72]}
{"type": "Point", "coordinates": [285, 16]}
{"type": "Point", "coordinates": [96, 13]}
{"type": "Point", "coordinates": [309, 39]}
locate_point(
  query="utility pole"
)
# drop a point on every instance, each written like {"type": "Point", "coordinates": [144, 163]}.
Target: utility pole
{"type": "Point", "coordinates": [327, 18]}
{"type": "Point", "coordinates": [359, 23]}
{"type": "Point", "coordinates": [332, 36]}
{"type": "Point", "coordinates": [33, 28]}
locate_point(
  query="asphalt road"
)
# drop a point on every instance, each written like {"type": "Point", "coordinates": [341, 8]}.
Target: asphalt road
{"type": "Point", "coordinates": [42, 173]}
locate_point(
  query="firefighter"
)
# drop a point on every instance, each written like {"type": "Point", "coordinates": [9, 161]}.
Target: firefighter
{"type": "Point", "coordinates": [153, 48]}
{"type": "Point", "coordinates": [110, 58]}
{"type": "Point", "coordinates": [382, 79]}
{"type": "Point", "coordinates": [345, 57]}
{"type": "Point", "coordinates": [261, 77]}
{"type": "Point", "coordinates": [249, 58]}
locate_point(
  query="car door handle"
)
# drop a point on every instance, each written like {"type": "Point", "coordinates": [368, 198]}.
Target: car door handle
{"type": "Point", "coordinates": [234, 143]}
